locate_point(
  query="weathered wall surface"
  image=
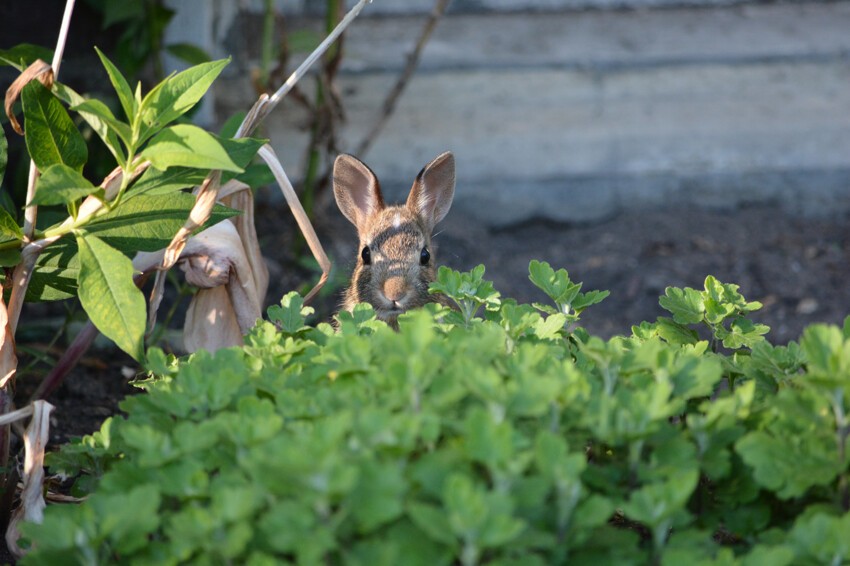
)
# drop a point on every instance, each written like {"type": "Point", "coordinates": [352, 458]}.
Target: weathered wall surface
{"type": "Point", "coordinates": [576, 115]}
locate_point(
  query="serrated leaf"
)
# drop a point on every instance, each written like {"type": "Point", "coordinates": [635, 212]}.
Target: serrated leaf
{"type": "Point", "coordinates": [23, 55]}
{"type": "Point", "coordinates": [119, 83]}
{"type": "Point", "coordinates": [51, 136]}
{"type": "Point", "coordinates": [175, 96]}
{"type": "Point", "coordinates": [742, 332]}
{"type": "Point", "coordinates": [185, 145]}
{"type": "Point", "coordinates": [550, 327]}
{"type": "Point", "coordinates": [675, 333]}
{"type": "Point", "coordinates": [60, 184]}
{"type": "Point", "coordinates": [556, 284]}
{"type": "Point", "coordinates": [686, 304]}
{"type": "Point", "coordinates": [109, 296]}
{"type": "Point", "coordinates": [584, 300]}
{"type": "Point", "coordinates": [290, 315]}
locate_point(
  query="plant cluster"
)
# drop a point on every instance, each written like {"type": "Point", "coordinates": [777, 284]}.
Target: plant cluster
{"type": "Point", "coordinates": [498, 433]}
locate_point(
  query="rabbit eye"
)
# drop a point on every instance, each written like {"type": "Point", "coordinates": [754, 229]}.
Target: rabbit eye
{"type": "Point", "coordinates": [424, 257]}
{"type": "Point", "coordinates": [366, 255]}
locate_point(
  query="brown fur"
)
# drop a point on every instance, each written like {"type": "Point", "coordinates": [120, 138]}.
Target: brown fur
{"type": "Point", "coordinates": [394, 281]}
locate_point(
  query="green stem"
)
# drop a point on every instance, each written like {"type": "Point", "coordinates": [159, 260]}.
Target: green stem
{"type": "Point", "coordinates": [267, 53]}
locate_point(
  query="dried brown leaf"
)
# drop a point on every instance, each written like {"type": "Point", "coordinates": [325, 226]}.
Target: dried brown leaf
{"type": "Point", "coordinates": [38, 70]}
{"type": "Point", "coordinates": [32, 504]}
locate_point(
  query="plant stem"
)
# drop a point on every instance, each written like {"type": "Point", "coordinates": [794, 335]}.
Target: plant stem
{"type": "Point", "coordinates": [267, 52]}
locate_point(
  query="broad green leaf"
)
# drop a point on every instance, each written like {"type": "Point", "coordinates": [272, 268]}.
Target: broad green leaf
{"type": "Point", "coordinates": [188, 52]}
{"type": "Point", "coordinates": [231, 125]}
{"type": "Point", "coordinates": [742, 332]}
{"type": "Point", "coordinates": [56, 272]}
{"type": "Point", "coordinates": [156, 182]}
{"type": "Point", "coordinates": [59, 184]}
{"type": "Point", "coordinates": [100, 126]}
{"type": "Point", "coordinates": [9, 229]}
{"type": "Point", "coordinates": [131, 227]}
{"type": "Point", "coordinates": [185, 145]}
{"type": "Point", "coordinates": [119, 83]}
{"type": "Point", "coordinates": [10, 257]}
{"type": "Point", "coordinates": [149, 222]}
{"type": "Point", "coordinates": [175, 96]}
{"type": "Point", "coordinates": [100, 110]}
{"type": "Point", "coordinates": [686, 304]}
{"type": "Point", "coordinates": [109, 296]}
{"type": "Point", "coordinates": [50, 134]}
{"type": "Point", "coordinates": [241, 150]}
{"type": "Point", "coordinates": [23, 55]}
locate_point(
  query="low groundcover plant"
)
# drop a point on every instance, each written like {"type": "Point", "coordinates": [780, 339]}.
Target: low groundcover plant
{"type": "Point", "coordinates": [498, 433]}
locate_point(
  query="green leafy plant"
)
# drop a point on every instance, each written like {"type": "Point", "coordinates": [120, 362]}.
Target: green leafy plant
{"type": "Point", "coordinates": [156, 158]}
{"type": "Point", "coordinates": [464, 439]}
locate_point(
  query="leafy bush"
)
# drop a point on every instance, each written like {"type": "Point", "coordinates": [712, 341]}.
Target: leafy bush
{"type": "Point", "coordinates": [500, 433]}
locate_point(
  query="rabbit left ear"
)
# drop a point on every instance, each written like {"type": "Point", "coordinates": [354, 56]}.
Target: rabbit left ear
{"type": "Point", "coordinates": [356, 189]}
{"type": "Point", "coordinates": [433, 190]}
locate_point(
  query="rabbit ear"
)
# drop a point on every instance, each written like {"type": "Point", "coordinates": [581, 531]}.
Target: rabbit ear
{"type": "Point", "coordinates": [433, 190]}
{"type": "Point", "coordinates": [357, 191]}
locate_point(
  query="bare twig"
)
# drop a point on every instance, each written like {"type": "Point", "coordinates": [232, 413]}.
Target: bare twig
{"type": "Point", "coordinates": [31, 212]}
{"type": "Point", "coordinates": [412, 62]}
{"type": "Point", "coordinates": [268, 155]}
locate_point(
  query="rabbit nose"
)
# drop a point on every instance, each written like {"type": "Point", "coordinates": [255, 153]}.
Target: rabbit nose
{"type": "Point", "coordinates": [394, 289]}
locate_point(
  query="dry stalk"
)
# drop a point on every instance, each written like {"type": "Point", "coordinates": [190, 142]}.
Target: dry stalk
{"type": "Point", "coordinates": [203, 204]}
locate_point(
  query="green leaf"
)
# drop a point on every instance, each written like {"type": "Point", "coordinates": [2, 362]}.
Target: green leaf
{"type": "Point", "coordinates": [148, 222]}
{"type": "Point", "coordinates": [10, 258]}
{"type": "Point", "coordinates": [241, 150]}
{"type": "Point", "coordinates": [9, 229]}
{"type": "Point", "coordinates": [109, 296]}
{"type": "Point", "coordinates": [99, 125]}
{"type": "Point", "coordinates": [56, 272]}
{"type": "Point", "coordinates": [119, 83]}
{"type": "Point", "coordinates": [50, 134]}
{"type": "Point", "coordinates": [59, 184]}
{"type": "Point", "coordinates": [97, 109]}
{"type": "Point", "coordinates": [742, 332]}
{"type": "Point", "coordinates": [188, 146]}
{"type": "Point", "coordinates": [175, 96]}
{"type": "Point", "coordinates": [291, 314]}
{"type": "Point", "coordinates": [686, 304]}
{"type": "Point", "coordinates": [188, 52]}
{"type": "Point", "coordinates": [23, 55]}
{"type": "Point", "coordinates": [432, 521]}
{"type": "Point", "coordinates": [556, 284]}
{"type": "Point", "coordinates": [675, 333]}
{"type": "Point", "coordinates": [156, 182]}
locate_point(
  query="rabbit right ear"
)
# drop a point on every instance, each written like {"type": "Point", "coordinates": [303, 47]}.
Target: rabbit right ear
{"type": "Point", "coordinates": [356, 189]}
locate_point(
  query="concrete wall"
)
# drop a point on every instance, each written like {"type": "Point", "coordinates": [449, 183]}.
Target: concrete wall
{"type": "Point", "coordinates": [576, 115]}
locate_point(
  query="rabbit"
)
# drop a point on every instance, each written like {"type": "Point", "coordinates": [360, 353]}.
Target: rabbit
{"type": "Point", "coordinates": [395, 262]}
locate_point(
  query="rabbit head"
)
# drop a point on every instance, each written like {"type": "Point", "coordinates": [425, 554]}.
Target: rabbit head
{"type": "Point", "coordinates": [395, 260]}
